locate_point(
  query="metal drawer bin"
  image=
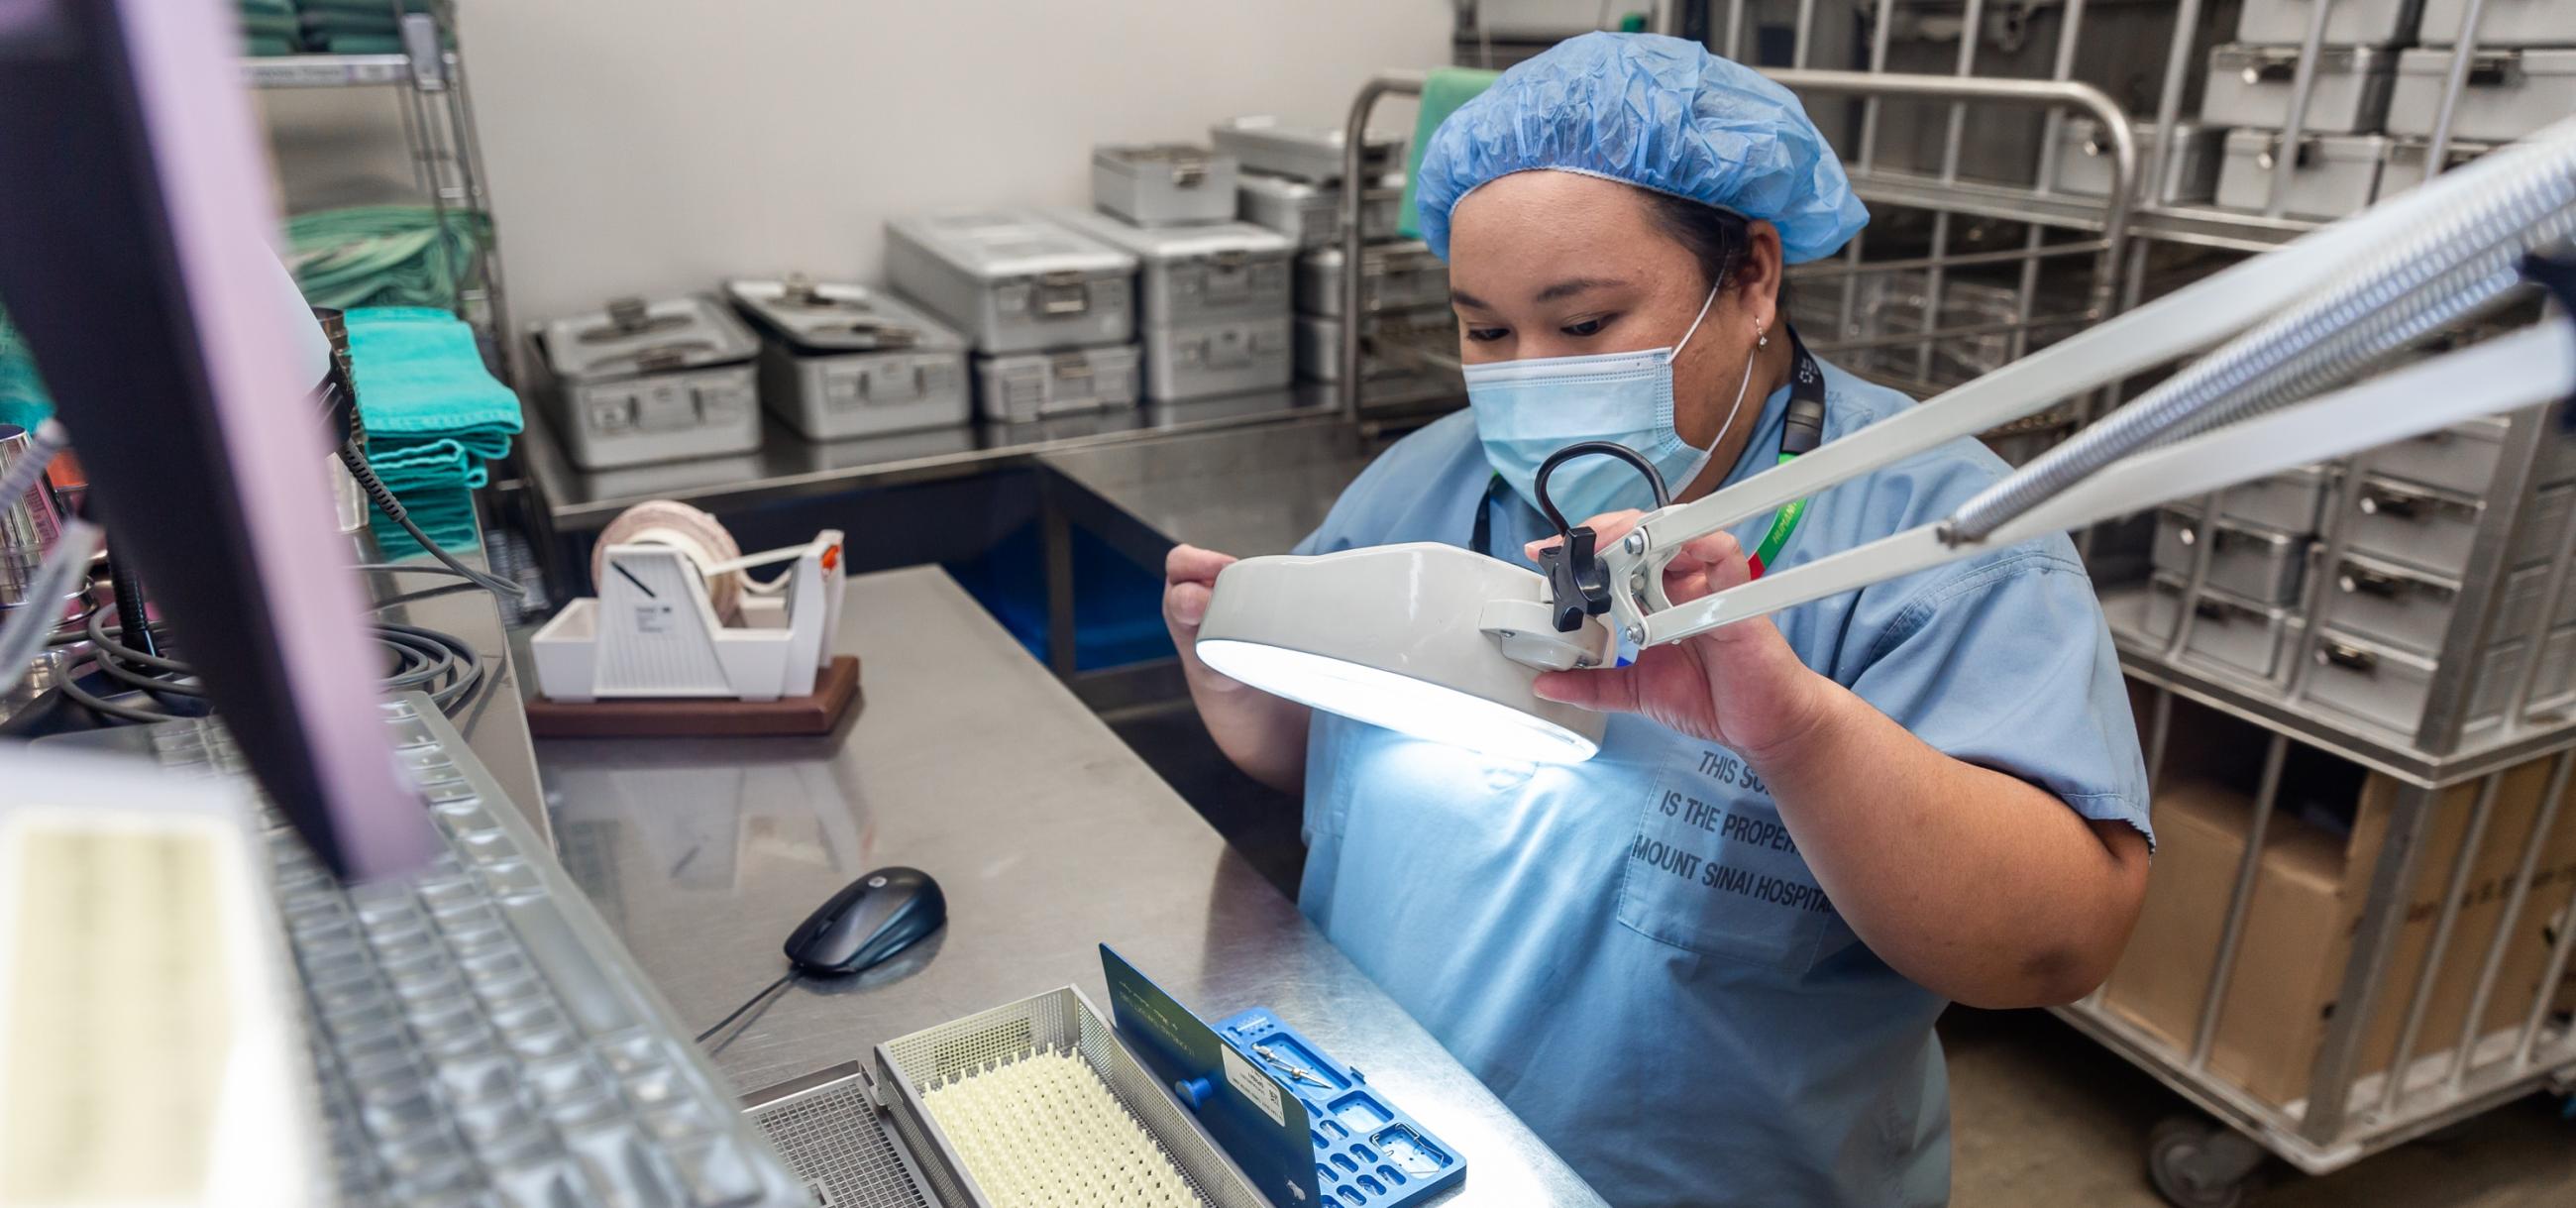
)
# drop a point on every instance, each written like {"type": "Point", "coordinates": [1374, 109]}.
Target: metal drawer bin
{"type": "Point", "coordinates": [2501, 23]}
{"type": "Point", "coordinates": [1393, 276]}
{"type": "Point", "coordinates": [2251, 85]}
{"type": "Point", "coordinates": [2432, 530]}
{"type": "Point", "coordinates": [2191, 173]}
{"type": "Point", "coordinates": [2258, 564]}
{"type": "Point", "coordinates": [1310, 153]}
{"type": "Point", "coordinates": [1011, 281]}
{"type": "Point", "coordinates": [1198, 274]}
{"type": "Point", "coordinates": [2349, 23]}
{"type": "Point", "coordinates": [1230, 356]}
{"type": "Point", "coordinates": [2337, 174]}
{"type": "Point", "coordinates": [2388, 687]}
{"type": "Point", "coordinates": [2460, 458]}
{"type": "Point", "coordinates": [2392, 604]}
{"type": "Point", "coordinates": [1162, 184]}
{"type": "Point", "coordinates": [2509, 93]}
{"type": "Point", "coordinates": [2405, 167]}
{"type": "Point", "coordinates": [1309, 214]}
{"type": "Point", "coordinates": [1033, 385]}
{"type": "Point", "coordinates": [912, 1069]}
{"type": "Point", "coordinates": [2292, 502]}
{"type": "Point", "coordinates": [2226, 630]}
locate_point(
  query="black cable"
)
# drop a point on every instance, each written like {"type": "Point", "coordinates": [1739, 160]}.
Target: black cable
{"type": "Point", "coordinates": [747, 1004]}
{"type": "Point", "coordinates": [128, 589]}
{"type": "Point", "coordinates": [1547, 507]}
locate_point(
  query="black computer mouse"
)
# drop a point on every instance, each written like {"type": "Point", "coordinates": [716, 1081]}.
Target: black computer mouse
{"type": "Point", "coordinates": [872, 918]}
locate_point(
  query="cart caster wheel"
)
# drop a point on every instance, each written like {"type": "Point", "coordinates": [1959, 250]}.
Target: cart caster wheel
{"type": "Point", "coordinates": [2197, 1164]}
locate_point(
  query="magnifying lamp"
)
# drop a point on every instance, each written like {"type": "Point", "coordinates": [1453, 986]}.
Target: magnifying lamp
{"type": "Point", "coordinates": [1442, 643]}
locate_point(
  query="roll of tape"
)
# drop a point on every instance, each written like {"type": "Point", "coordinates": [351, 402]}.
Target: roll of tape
{"type": "Point", "coordinates": [691, 531]}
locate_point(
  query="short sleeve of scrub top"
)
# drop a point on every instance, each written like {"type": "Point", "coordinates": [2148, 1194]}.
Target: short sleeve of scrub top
{"type": "Point", "coordinates": [1631, 951]}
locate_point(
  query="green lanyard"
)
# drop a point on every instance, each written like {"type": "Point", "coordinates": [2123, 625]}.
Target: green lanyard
{"type": "Point", "coordinates": [1801, 431]}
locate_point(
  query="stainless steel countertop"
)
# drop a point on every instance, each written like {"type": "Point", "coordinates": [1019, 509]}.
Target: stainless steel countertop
{"type": "Point", "coordinates": [969, 760]}
{"type": "Point", "coordinates": [787, 465]}
{"type": "Point", "coordinates": [1243, 492]}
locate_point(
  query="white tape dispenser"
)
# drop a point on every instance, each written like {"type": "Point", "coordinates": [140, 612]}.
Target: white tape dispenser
{"type": "Point", "coordinates": [679, 618]}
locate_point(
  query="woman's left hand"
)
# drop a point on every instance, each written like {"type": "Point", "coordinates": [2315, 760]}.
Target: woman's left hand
{"type": "Point", "coordinates": [1739, 686]}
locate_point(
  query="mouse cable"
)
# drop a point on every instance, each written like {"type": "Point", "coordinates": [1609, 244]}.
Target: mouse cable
{"type": "Point", "coordinates": [747, 1004]}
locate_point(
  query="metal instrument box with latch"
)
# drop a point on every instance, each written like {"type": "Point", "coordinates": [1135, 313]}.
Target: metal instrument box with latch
{"type": "Point", "coordinates": [641, 382]}
{"type": "Point", "coordinates": [1309, 214]}
{"type": "Point", "coordinates": [2252, 86]}
{"type": "Point", "coordinates": [2259, 564]}
{"type": "Point", "coordinates": [838, 361]}
{"type": "Point", "coordinates": [1319, 341]}
{"type": "Point", "coordinates": [2348, 22]}
{"type": "Point", "coordinates": [2508, 93]}
{"type": "Point", "coordinates": [2337, 174]}
{"type": "Point", "coordinates": [1403, 275]}
{"type": "Point", "coordinates": [1309, 153]}
{"type": "Point", "coordinates": [1024, 386]}
{"type": "Point", "coordinates": [2405, 167]}
{"type": "Point", "coordinates": [2191, 172]}
{"type": "Point", "coordinates": [1229, 356]}
{"type": "Point", "coordinates": [2411, 609]}
{"type": "Point", "coordinates": [2459, 458]}
{"type": "Point", "coordinates": [2389, 687]}
{"type": "Point", "coordinates": [1163, 184]}
{"type": "Point", "coordinates": [2227, 630]}
{"type": "Point", "coordinates": [2433, 529]}
{"type": "Point", "coordinates": [1011, 281]}
{"type": "Point", "coordinates": [2501, 23]}
{"type": "Point", "coordinates": [2293, 501]}
{"type": "Point", "coordinates": [1199, 274]}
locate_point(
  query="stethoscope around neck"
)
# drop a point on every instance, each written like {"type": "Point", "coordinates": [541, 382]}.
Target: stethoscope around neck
{"type": "Point", "coordinates": [1801, 431]}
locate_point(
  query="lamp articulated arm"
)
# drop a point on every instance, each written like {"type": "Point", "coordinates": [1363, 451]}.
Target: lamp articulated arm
{"type": "Point", "coordinates": [2313, 313]}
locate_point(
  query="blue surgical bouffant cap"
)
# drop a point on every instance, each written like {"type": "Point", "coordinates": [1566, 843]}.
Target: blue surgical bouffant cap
{"type": "Point", "coordinates": [1656, 112]}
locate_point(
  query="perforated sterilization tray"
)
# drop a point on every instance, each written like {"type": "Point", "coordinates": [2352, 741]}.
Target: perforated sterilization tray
{"type": "Point", "coordinates": [926, 1078]}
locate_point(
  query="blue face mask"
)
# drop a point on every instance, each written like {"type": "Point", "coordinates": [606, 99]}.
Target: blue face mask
{"type": "Point", "coordinates": [1526, 410]}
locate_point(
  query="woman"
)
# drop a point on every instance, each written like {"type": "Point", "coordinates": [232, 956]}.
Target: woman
{"type": "Point", "coordinates": [1705, 964]}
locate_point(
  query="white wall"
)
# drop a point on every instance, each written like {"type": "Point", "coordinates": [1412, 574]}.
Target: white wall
{"type": "Point", "coordinates": [662, 146]}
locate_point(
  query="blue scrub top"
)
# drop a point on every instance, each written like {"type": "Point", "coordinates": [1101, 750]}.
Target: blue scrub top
{"type": "Point", "coordinates": [1630, 951]}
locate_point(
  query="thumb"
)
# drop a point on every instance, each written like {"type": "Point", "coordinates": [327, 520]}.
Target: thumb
{"type": "Point", "coordinates": [1605, 690]}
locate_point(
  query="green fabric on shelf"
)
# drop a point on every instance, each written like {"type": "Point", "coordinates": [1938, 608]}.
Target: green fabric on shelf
{"type": "Point", "coordinates": [270, 48]}
{"type": "Point", "coordinates": [23, 400]}
{"type": "Point", "coordinates": [1443, 91]}
{"type": "Point", "coordinates": [362, 44]}
{"type": "Point", "coordinates": [389, 255]}
{"type": "Point", "coordinates": [446, 514]}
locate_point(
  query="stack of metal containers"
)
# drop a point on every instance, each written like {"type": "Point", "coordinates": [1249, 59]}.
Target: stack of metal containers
{"type": "Point", "coordinates": [2323, 135]}
{"type": "Point", "coordinates": [1050, 314]}
{"type": "Point", "coordinates": [1215, 310]}
{"type": "Point", "coordinates": [1291, 183]}
{"type": "Point", "coordinates": [2431, 572]}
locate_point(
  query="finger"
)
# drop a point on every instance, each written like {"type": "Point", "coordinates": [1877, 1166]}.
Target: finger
{"type": "Point", "coordinates": [1606, 528]}
{"type": "Point", "coordinates": [1190, 564]}
{"type": "Point", "coordinates": [1187, 603]}
{"type": "Point", "coordinates": [1607, 690]}
{"type": "Point", "coordinates": [1702, 566]}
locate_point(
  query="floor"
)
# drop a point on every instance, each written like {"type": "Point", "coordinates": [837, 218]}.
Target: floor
{"type": "Point", "coordinates": [2041, 1115]}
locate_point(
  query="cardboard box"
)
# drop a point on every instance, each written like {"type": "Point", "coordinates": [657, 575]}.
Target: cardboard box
{"type": "Point", "coordinates": [2309, 891]}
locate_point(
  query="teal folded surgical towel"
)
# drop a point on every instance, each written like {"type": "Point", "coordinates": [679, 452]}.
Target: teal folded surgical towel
{"type": "Point", "coordinates": [23, 400]}
{"type": "Point", "coordinates": [419, 374]}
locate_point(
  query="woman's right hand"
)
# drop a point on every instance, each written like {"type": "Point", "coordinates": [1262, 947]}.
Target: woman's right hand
{"type": "Point", "coordinates": [1262, 734]}
{"type": "Point", "coordinates": [1189, 582]}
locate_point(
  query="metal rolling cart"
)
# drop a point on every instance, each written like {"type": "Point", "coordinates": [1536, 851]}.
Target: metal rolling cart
{"type": "Point", "coordinates": [2491, 700]}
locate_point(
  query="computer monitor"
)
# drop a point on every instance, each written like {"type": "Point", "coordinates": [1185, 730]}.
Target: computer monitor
{"type": "Point", "coordinates": [135, 217]}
